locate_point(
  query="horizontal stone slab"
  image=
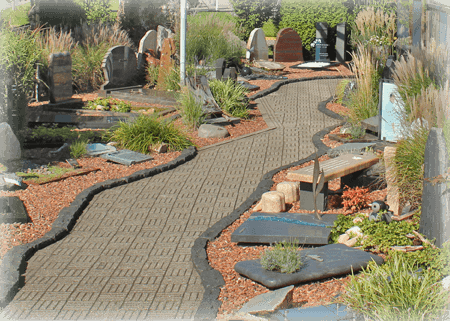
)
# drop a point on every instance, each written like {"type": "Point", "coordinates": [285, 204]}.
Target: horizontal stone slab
{"type": "Point", "coordinates": [349, 148]}
{"type": "Point", "coordinates": [126, 157]}
{"type": "Point", "coordinates": [338, 259]}
{"type": "Point", "coordinates": [332, 312]}
{"type": "Point", "coordinates": [371, 123]}
{"type": "Point", "coordinates": [268, 228]}
{"type": "Point", "coordinates": [335, 167]}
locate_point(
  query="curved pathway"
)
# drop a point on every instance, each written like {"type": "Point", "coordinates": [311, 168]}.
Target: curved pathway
{"type": "Point", "coordinates": [129, 254]}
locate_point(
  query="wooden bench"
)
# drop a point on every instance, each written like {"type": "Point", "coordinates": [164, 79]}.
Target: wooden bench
{"type": "Point", "coordinates": [347, 166]}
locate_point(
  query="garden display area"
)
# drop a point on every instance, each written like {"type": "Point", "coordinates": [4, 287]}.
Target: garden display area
{"type": "Point", "coordinates": [287, 171]}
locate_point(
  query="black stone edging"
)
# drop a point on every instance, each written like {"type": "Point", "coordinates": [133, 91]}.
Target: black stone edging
{"type": "Point", "coordinates": [14, 262]}
{"type": "Point", "coordinates": [211, 279]}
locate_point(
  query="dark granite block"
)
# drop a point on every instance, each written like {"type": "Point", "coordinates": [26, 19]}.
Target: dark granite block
{"type": "Point", "coordinates": [271, 229]}
{"type": "Point", "coordinates": [338, 259]}
{"type": "Point", "coordinates": [307, 198]}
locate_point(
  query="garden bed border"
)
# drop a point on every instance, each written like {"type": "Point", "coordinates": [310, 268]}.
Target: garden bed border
{"type": "Point", "coordinates": [14, 262]}
{"type": "Point", "coordinates": [212, 279]}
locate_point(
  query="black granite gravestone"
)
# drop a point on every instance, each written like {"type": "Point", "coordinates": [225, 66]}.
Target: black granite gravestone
{"type": "Point", "coordinates": [220, 68]}
{"type": "Point", "coordinates": [321, 42]}
{"type": "Point", "coordinates": [341, 40]}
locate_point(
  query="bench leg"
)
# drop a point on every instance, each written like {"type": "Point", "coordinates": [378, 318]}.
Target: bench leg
{"type": "Point", "coordinates": [351, 180]}
{"type": "Point", "coordinates": [307, 199]}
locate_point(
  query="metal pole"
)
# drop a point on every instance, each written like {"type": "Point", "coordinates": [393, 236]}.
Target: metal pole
{"type": "Point", "coordinates": [217, 5]}
{"type": "Point", "coordinates": [183, 42]}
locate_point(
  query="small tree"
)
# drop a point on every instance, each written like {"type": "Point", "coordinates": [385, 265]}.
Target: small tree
{"type": "Point", "coordinates": [251, 14]}
{"type": "Point", "coordinates": [56, 12]}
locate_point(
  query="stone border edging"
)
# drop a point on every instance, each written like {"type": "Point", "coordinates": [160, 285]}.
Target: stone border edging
{"type": "Point", "coordinates": [212, 279]}
{"type": "Point", "coordinates": [14, 263]}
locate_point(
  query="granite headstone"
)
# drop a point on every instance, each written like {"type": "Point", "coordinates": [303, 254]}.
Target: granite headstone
{"type": "Point", "coordinates": [60, 76]}
{"type": "Point", "coordinates": [257, 42]}
{"type": "Point", "coordinates": [321, 42]}
{"type": "Point", "coordinates": [341, 40]}
{"type": "Point", "coordinates": [119, 67]}
{"type": "Point", "coordinates": [288, 46]}
{"type": "Point", "coordinates": [435, 217]}
{"type": "Point", "coordinates": [148, 42]}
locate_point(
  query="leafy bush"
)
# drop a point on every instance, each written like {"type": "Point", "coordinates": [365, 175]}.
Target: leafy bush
{"type": "Point", "coordinates": [230, 96]}
{"type": "Point", "coordinates": [98, 11]}
{"type": "Point", "coordinates": [56, 13]}
{"type": "Point", "coordinates": [251, 14]}
{"type": "Point", "coordinates": [191, 110]}
{"type": "Point", "coordinates": [284, 258]}
{"type": "Point", "coordinates": [269, 28]}
{"type": "Point", "coordinates": [147, 131]}
{"type": "Point", "coordinates": [211, 38]}
{"type": "Point", "coordinates": [391, 292]}
{"type": "Point", "coordinates": [109, 104]}
{"type": "Point", "coordinates": [78, 148]}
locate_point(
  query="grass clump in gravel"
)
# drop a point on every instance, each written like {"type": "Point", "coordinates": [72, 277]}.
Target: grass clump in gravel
{"type": "Point", "coordinates": [230, 96]}
{"type": "Point", "coordinates": [190, 109]}
{"type": "Point", "coordinates": [284, 258]}
{"type": "Point", "coordinates": [109, 104]}
{"type": "Point", "coordinates": [147, 131]}
{"type": "Point", "coordinates": [78, 148]}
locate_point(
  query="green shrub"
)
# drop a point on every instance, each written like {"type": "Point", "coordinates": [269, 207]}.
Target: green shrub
{"type": "Point", "coordinates": [109, 104]}
{"type": "Point", "coordinates": [251, 14]}
{"type": "Point", "coordinates": [191, 110]}
{"type": "Point", "coordinates": [230, 96]}
{"type": "Point", "coordinates": [390, 292]}
{"type": "Point", "coordinates": [211, 38]}
{"type": "Point", "coordinates": [98, 11]}
{"type": "Point", "coordinates": [18, 17]}
{"type": "Point", "coordinates": [147, 131]}
{"type": "Point", "coordinates": [152, 74]}
{"type": "Point", "coordinates": [269, 28]}
{"type": "Point", "coordinates": [58, 12]}
{"type": "Point", "coordinates": [284, 257]}
{"type": "Point", "coordinates": [78, 148]}
{"type": "Point", "coordinates": [340, 90]}
{"type": "Point", "coordinates": [172, 80]}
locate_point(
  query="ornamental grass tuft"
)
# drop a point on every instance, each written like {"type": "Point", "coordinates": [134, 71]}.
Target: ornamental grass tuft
{"type": "Point", "coordinates": [147, 131]}
{"type": "Point", "coordinates": [230, 96]}
{"type": "Point", "coordinates": [191, 111]}
{"type": "Point", "coordinates": [284, 258]}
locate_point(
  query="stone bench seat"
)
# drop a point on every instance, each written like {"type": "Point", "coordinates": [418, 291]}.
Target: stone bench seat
{"type": "Point", "coordinates": [346, 166]}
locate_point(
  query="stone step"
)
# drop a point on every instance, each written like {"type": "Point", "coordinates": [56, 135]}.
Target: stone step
{"type": "Point", "coordinates": [371, 123]}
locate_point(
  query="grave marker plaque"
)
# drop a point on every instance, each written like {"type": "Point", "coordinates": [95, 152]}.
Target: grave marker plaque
{"type": "Point", "coordinates": [321, 42]}
{"type": "Point", "coordinates": [60, 76]}
{"type": "Point", "coordinates": [389, 127]}
{"type": "Point", "coordinates": [126, 157]}
{"type": "Point", "coordinates": [435, 217]}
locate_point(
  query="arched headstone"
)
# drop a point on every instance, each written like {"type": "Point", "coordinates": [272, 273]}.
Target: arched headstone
{"type": "Point", "coordinates": [257, 41]}
{"type": "Point", "coordinates": [148, 42]}
{"type": "Point", "coordinates": [288, 46]}
{"type": "Point", "coordinates": [119, 67]}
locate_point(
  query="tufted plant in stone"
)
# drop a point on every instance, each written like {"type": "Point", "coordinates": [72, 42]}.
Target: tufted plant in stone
{"type": "Point", "coordinates": [396, 290]}
{"type": "Point", "coordinates": [317, 186]}
{"type": "Point", "coordinates": [284, 258]}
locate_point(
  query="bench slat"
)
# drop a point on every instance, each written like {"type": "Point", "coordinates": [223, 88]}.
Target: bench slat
{"type": "Point", "coordinates": [336, 167]}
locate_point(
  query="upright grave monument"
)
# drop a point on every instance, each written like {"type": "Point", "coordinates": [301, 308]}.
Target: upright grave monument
{"type": "Point", "coordinates": [435, 217]}
{"type": "Point", "coordinates": [148, 42]}
{"type": "Point", "coordinates": [119, 67]}
{"type": "Point", "coordinates": [60, 76]}
{"type": "Point", "coordinates": [288, 46]}
{"type": "Point", "coordinates": [321, 42]}
{"type": "Point", "coordinates": [341, 40]}
{"type": "Point", "coordinates": [257, 45]}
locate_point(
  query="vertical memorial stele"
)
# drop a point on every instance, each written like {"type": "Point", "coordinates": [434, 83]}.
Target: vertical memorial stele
{"type": "Point", "coordinates": [60, 76]}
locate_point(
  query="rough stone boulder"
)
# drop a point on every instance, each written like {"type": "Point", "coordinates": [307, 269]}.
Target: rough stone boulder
{"type": "Point", "coordinates": [212, 131]}
{"type": "Point", "coordinates": [9, 144]}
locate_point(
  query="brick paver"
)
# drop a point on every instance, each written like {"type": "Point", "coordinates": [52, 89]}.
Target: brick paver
{"type": "Point", "coordinates": [129, 255]}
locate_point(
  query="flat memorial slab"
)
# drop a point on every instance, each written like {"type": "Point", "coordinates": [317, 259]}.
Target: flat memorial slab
{"type": "Point", "coordinates": [314, 65]}
{"type": "Point", "coordinates": [337, 259]}
{"type": "Point", "coordinates": [349, 148]}
{"type": "Point", "coordinates": [268, 228]}
{"type": "Point", "coordinates": [98, 149]}
{"type": "Point", "coordinates": [331, 312]}
{"type": "Point", "coordinates": [335, 167]}
{"type": "Point", "coordinates": [270, 65]}
{"type": "Point", "coordinates": [126, 157]}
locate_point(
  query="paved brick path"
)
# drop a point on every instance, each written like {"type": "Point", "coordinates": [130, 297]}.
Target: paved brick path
{"type": "Point", "coordinates": [129, 255]}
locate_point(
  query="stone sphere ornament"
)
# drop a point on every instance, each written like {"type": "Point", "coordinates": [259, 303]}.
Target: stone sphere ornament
{"type": "Point", "coordinates": [246, 71]}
